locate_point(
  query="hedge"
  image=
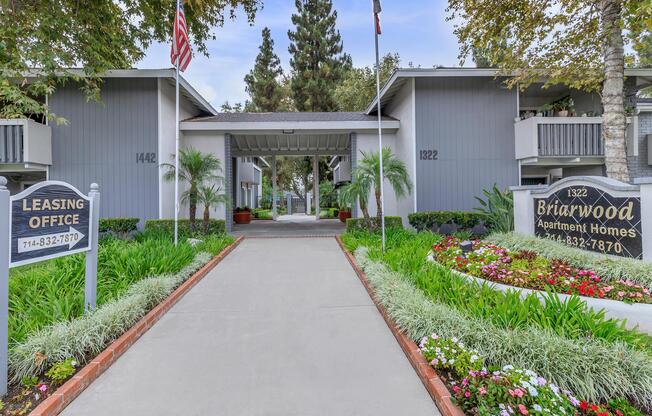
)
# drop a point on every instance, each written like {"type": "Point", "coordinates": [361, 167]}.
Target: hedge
{"type": "Point", "coordinates": [358, 224]}
{"type": "Point", "coordinates": [425, 220]}
{"type": "Point", "coordinates": [167, 225]}
{"type": "Point", "coordinates": [119, 225]}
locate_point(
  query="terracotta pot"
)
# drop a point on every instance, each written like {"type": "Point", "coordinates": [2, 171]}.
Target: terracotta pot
{"type": "Point", "coordinates": [343, 215]}
{"type": "Point", "coordinates": [242, 217]}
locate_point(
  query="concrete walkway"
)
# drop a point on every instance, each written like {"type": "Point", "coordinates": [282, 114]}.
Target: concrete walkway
{"type": "Point", "coordinates": [290, 226]}
{"type": "Point", "coordinates": [280, 327]}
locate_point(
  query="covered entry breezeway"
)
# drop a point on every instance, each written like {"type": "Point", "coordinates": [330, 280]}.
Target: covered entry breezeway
{"type": "Point", "coordinates": [246, 136]}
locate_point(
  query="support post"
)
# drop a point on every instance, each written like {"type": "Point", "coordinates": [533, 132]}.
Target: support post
{"type": "Point", "coordinates": [315, 184]}
{"type": "Point", "coordinates": [289, 203]}
{"type": "Point", "coordinates": [645, 185]}
{"type": "Point", "coordinates": [523, 209]}
{"type": "Point", "coordinates": [90, 288]}
{"type": "Point", "coordinates": [4, 283]}
{"type": "Point", "coordinates": [274, 188]}
{"type": "Point", "coordinates": [308, 202]}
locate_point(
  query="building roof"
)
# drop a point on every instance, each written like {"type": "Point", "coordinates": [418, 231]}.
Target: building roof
{"type": "Point", "coordinates": [401, 75]}
{"type": "Point", "coordinates": [287, 117]}
{"type": "Point", "coordinates": [185, 89]}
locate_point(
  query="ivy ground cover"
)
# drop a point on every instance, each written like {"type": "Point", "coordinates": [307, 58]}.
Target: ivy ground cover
{"type": "Point", "coordinates": [526, 269]}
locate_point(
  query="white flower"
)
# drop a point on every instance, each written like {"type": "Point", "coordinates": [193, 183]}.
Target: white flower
{"type": "Point", "coordinates": [537, 407]}
{"type": "Point", "coordinates": [474, 358]}
{"type": "Point", "coordinates": [508, 367]}
{"type": "Point", "coordinates": [533, 391]}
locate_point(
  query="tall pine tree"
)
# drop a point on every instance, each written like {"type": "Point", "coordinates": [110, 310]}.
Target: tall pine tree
{"type": "Point", "coordinates": [263, 84]}
{"type": "Point", "coordinates": [318, 64]}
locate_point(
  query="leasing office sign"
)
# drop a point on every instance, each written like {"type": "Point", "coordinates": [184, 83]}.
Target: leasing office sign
{"type": "Point", "coordinates": [49, 219]}
{"type": "Point", "coordinates": [589, 212]}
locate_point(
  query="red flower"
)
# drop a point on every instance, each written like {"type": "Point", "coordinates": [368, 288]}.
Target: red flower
{"type": "Point", "coordinates": [584, 405]}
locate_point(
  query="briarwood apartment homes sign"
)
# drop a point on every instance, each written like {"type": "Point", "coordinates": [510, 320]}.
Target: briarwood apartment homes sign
{"type": "Point", "coordinates": [589, 212]}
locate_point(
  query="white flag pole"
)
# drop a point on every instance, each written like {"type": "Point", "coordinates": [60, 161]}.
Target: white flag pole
{"type": "Point", "coordinates": [380, 137]}
{"type": "Point", "coordinates": [176, 132]}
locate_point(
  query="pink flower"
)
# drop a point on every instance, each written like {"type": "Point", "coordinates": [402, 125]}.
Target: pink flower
{"type": "Point", "coordinates": [43, 388]}
{"type": "Point", "coordinates": [621, 293]}
{"type": "Point", "coordinates": [522, 409]}
{"type": "Point", "coordinates": [482, 391]}
{"type": "Point", "coordinates": [467, 394]}
{"type": "Point", "coordinates": [456, 389]}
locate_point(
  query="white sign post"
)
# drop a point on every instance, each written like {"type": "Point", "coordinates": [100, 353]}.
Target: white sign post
{"type": "Point", "coordinates": [49, 219]}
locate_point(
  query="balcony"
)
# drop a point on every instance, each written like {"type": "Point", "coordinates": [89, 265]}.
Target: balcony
{"type": "Point", "coordinates": [249, 173]}
{"type": "Point", "coordinates": [550, 141]}
{"type": "Point", "coordinates": [25, 142]}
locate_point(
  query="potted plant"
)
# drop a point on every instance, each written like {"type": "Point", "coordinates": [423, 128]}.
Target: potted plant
{"type": "Point", "coordinates": [344, 202]}
{"type": "Point", "coordinates": [564, 106]}
{"type": "Point", "coordinates": [242, 215]}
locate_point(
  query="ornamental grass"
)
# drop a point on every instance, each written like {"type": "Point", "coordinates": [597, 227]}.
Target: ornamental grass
{"type": "Point", "coordinates": [594, 369]}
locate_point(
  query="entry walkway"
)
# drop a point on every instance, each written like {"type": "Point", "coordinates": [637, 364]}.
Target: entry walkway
{"type": "Point", "coordinates": [290, 226]}
{"type": "Point", "coordinates": [281, 327]}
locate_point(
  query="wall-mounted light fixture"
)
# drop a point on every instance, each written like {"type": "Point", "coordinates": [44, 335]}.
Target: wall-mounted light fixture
{"type": "Point", "coordinates": [288, 131]}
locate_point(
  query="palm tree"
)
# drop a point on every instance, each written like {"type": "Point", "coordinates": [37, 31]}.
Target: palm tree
{"type": "Point", "coordinates": [394, 170]}
{"type": "Point", "coordinates": [195, 168]}
{"type": "Point", "coordinates": [357, 190]}
{"type": "Point", "coordinates": [211, 196]}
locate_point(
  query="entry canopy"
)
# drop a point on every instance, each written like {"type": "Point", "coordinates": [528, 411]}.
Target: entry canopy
{"type": "Point", "coordinates": [298, 133]}
{"type": "Point", "coordinates": [290, 144]}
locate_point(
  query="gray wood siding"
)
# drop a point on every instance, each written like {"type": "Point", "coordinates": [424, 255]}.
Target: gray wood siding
{"type": "Point", "coordinates": [470, 122]}
{"type": "Point", "coordinates": [101, 141]}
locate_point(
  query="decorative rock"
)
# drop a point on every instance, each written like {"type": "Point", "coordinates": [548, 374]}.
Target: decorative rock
{"type": "Point", "coordinates": [448, 229]}
{"type": "Point", "coordinates": [479, 230]}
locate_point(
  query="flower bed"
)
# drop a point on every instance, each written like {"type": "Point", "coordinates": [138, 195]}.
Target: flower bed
{"type": "Point", "coordinates": [481, 391]}
{"type": "Point", "coordinates": [527, 269]}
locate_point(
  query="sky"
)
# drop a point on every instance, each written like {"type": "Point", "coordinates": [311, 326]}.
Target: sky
{"type": "Point", "coordinates": [415, 29]}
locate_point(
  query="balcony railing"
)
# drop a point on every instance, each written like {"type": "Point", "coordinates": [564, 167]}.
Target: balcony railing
{"type": "Point", "coordinates": [25, 141]}
{"type": "Point", "coordinates": [559, 137]}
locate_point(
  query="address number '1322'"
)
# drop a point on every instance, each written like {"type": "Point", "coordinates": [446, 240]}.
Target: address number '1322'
{"type": "Point", "coordinates": [428, 154]}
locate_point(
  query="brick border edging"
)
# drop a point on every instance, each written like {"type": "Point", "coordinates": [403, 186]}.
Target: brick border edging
{"type": "Point", "coordinates": [426, 373]}
{"type": "Point", "coordinates": [65, 394]}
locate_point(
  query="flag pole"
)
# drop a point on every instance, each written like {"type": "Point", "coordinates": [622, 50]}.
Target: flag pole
{"type": "Point", "coordinates": [176, 142]}
{"type": "Point", "coordinates": [380, 135]}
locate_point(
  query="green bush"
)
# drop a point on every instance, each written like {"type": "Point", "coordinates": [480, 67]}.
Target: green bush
{"type": "Point", "coordinates": [424, 221]}
{"type": "Point", "coordinates": [167, 226]}
{"type": "Point", "coordinates": [360, 224]}
{"type": "Point", "coordinates": [119, 225]}
{"type": "Point", "coordinates": [594, 369]}
{"type": "Point", "coordinates": [328, 213]}
{"type": "Point", "coordinates": [611, 267]}
{"type": "Point", "coordinates": [498, 209]}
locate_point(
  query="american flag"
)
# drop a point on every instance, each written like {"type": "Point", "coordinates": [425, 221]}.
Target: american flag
{"type": "Point", "coordinates": [180, 44]}
{"type": "Point", "coordinates": [377, 10]}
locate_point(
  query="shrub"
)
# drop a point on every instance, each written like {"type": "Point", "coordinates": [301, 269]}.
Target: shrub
{"type": "Point", "coordinates": [593, 369]}
{"type": "Point", "coordinates": [167, 226]}
{"type": "Point", "coordinates": [424, 221]}
{"type": "Point", "coordinates": [498, 209]}
{"type": "Point", "coordinates": [89, 334]}
{"type": "Point", "coordinates": [361, 224]}
{"type": "Point", "coordinates": [118, 225]}
{"type": "Point", "coordinates": [613, 267]}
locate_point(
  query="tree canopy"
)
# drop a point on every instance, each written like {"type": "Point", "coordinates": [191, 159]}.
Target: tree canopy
{"type": "Point", "coordinates": [56, 35]}
{"type": "Point", "coordinates": [358, 88]}
{"type": "Point", "coordinates": [318, 62]}
{"type": "Point", "coordinates": [262, 82]}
